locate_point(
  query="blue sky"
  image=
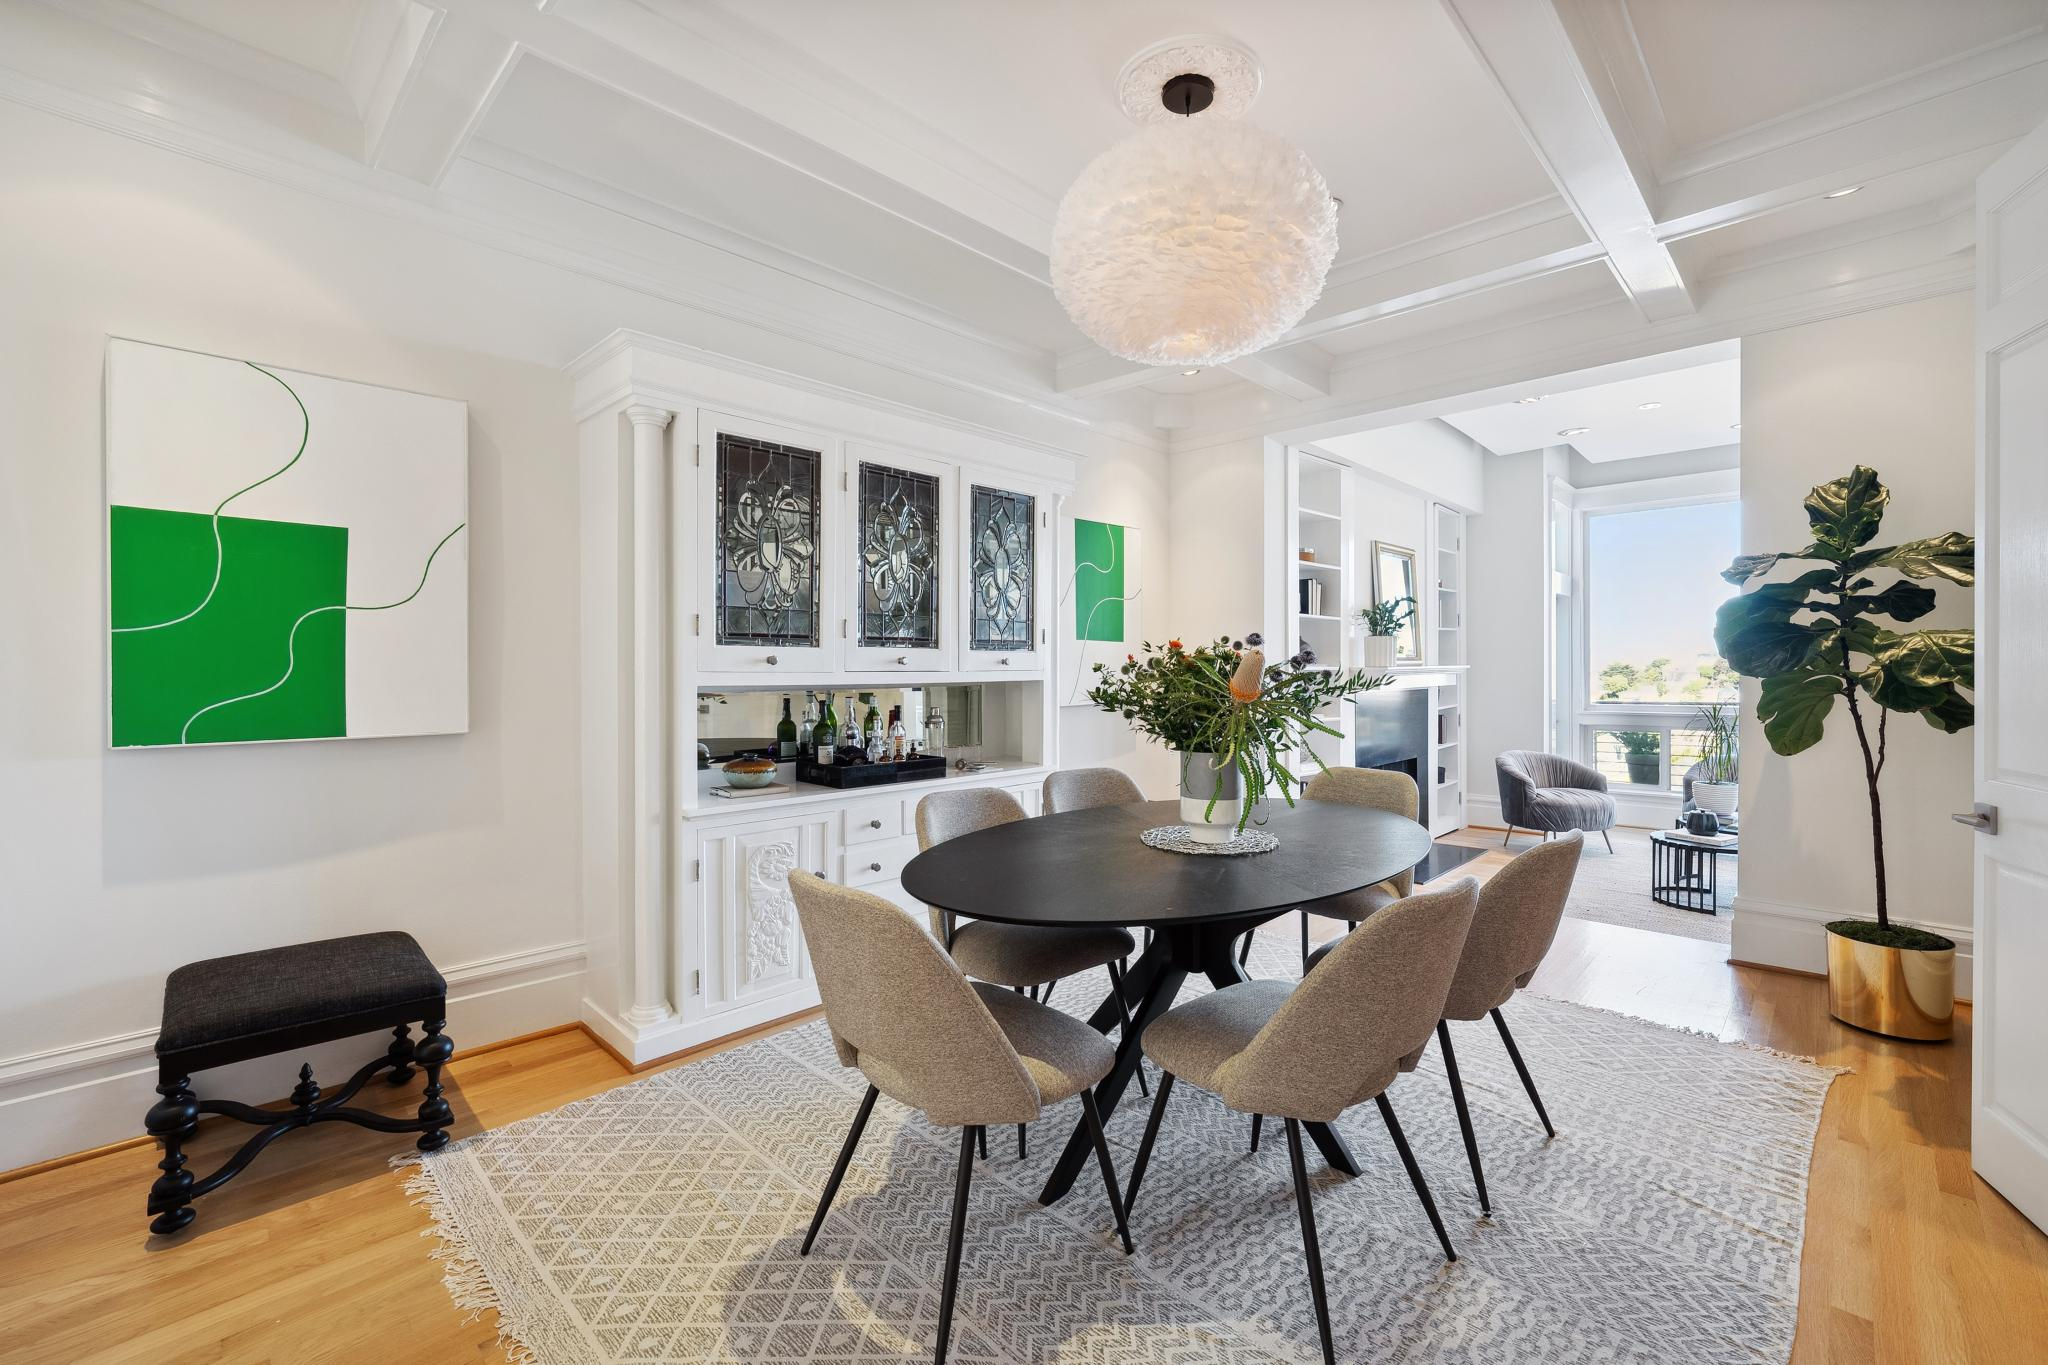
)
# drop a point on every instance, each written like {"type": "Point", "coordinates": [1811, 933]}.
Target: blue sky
{"type": "Point", "coordinates": [1655, 581]}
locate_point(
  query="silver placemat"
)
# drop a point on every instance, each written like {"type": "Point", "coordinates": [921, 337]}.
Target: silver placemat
{"type": "Point", "coordinates": [1180, 839]}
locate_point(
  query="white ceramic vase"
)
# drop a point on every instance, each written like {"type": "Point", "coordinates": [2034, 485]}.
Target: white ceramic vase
{"type": "Point", "coordinates": [1378, 652]}
{"type": "Point", "coordinates": [1202, 782]}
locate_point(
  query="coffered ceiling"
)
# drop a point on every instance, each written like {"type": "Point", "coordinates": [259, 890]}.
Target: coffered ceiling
{"type": "Point", "coordinates": [1529, 186]}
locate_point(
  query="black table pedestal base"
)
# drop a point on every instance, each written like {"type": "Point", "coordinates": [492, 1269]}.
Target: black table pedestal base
{"type": "Point", "coordinates": [1150, 988]}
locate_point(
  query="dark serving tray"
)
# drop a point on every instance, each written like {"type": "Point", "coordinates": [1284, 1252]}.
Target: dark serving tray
{"type": "Point", "coordinates": [847, 776]}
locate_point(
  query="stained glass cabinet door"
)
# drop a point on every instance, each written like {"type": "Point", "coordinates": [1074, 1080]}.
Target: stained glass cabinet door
{"type": "Point", "coordinates": [765, 599]}
{"type": "Point", "coordinates": [1005, 561]}
{"type": "Point", "coordinates": [902, 525]}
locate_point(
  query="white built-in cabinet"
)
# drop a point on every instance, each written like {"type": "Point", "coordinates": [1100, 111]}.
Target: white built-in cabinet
{"type": "Point", "coordinates": [753, 950]}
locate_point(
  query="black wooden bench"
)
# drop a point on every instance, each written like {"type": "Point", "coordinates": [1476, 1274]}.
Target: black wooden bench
{"type": "Point", "coordinates": [232, 1009]}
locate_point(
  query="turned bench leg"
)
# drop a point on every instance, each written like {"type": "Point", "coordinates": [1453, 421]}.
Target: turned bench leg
{"type": "Point", "coordinates": [400, 1055]}
{"type": "Point", "coordinates": [173, 1120]}
{"type": "Point", "coordinates": [434, 1050]}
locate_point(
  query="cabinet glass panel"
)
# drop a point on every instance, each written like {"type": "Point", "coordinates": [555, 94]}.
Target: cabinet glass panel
{"type": "Point", "coordinates": [768, 523]}
{"type": "Point", "coordinates": [1001, 571]}
{"type": "Point", "coordinates": [899, 558]}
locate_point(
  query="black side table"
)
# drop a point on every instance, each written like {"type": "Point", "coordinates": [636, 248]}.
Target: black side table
{"type": "Point", "coordinates": [1684, 874]}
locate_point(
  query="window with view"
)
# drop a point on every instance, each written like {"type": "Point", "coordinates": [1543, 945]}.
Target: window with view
{"type": "Point", "coordinates": [1653, 582]}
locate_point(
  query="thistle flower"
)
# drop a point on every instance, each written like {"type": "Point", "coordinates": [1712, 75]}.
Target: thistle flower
{"type": "Point", "coordinates": [1244, 684]}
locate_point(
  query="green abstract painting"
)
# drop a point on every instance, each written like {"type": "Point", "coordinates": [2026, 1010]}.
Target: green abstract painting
{"type": "Point", "coordinates": [284, 554]}
{"type": "Point", "coordinates": [1099, 564]}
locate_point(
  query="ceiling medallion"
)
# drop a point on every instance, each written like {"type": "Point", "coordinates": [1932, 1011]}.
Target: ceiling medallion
{"type": "Point", "coordinates": [1198, 238]}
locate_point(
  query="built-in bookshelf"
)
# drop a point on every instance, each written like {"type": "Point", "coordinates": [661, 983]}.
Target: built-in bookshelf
{"type": "Point", "coordinates": [1319, 509]}
{"type": "Point", "coordinates": [1447, 636]}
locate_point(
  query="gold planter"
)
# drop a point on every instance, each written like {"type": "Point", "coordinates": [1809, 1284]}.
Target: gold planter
{"type": "Point", "coordinates": [1899, 992]}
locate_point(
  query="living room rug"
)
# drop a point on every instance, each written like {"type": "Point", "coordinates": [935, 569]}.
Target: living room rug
{"type": "Point", "coordinates": [1614, 888]}
{"type": "Point", "coordinates": [659, 1221]}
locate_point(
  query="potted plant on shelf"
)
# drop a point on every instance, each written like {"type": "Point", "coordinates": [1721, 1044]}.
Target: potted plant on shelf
{"type": "Point", "coordinates": [1716, 788]}
{"type": "Point", "coordinates": [1383, 622]}
{"type": "Point", "coordinates": [1885, 977]}
{"type": "Point", "coordinates": [1640, 750]}
{"type": "Point", "coordinates": [1233, 721]}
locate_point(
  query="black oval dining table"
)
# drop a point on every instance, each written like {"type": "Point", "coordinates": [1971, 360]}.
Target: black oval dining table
{"type": "Point", "coordinates": [1088, 868]}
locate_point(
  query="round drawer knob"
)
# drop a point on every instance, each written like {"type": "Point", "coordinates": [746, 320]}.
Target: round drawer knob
{"type": "Point", "coordinates": [874, 867]}
{"type": "Point", "coordinates": [1004, 662]}
{"type": "Point", "coordinates": [902, 658]}
{"type": "Point", "coordinates": [772, 659]}
{"type": "Point", "coordinates": [874, 824]}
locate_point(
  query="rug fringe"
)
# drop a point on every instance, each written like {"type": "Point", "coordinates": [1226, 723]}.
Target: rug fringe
{"type": "Point", "coordinates": [462, 1269]}
{"type": "Point", "coordinates": [1711, 1037]}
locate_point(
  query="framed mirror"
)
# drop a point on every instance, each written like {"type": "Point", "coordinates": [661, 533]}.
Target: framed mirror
{"type": "Point", "coordinates": [1394, 578]}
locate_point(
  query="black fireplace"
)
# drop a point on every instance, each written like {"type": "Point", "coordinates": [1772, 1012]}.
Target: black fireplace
{"type": "Point", "coordinates": [1391, 727]}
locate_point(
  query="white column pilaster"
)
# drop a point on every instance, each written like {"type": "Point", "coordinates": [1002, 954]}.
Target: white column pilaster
{"type": "Point", "coordinates": [652, 901]}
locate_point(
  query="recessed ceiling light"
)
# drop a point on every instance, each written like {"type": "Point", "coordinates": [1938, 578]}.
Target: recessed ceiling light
{"type": "Point", "coordinates": [1842, 193]}
{"type": "Point", "coordinates": [1648, 407]}
{"type": "Point", "coordinates": [1575, 431]}
{"type": "Point", "coordinates": [1189, 374]}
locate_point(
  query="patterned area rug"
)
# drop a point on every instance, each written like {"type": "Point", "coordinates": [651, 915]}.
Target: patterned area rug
{"type": "Point", "coordinates": [660, 1221]}
{"type": "Point", "coordinates": [1614, 888]}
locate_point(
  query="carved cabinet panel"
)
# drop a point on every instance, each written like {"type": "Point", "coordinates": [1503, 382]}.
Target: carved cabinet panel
{"type": "Point", "coordinates": [753, 945]}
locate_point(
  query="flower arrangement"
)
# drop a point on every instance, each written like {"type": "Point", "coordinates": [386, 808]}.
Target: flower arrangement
{"type": "Point", "coordinates": [1224, 701]}
{"type": "Point", "coordinates": [1387, 618]}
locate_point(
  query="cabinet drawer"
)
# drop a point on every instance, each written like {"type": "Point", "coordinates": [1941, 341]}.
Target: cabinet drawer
{"type": "Point", "coordinates": [876, 862]}
{"type": "Point", "coordinates": [873, 821]}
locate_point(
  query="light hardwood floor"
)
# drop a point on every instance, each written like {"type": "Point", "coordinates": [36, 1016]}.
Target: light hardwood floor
{"type": "Point", "coordinates": [315, 1255]}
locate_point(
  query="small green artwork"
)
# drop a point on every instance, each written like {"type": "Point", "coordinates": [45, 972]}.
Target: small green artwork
{"type": "Point", "coordinates": [1099, 594]}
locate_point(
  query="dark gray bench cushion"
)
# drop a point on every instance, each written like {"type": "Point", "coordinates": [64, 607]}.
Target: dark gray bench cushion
{"type": "Point", "coordinates": [224, 999]}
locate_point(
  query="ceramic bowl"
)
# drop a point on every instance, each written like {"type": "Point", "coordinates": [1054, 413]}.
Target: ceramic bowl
{"type": "Point", "coordinates": [748, 772]}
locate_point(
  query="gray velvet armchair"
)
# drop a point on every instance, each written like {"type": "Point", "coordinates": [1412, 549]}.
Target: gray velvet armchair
{"type": "Point", "coordinates": [1552, 794]}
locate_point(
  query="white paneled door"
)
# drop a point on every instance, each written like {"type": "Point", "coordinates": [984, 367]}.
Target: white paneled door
{"type": "Point", "coordinates": [2009, 1133]}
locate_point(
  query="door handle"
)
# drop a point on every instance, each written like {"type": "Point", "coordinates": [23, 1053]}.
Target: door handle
{"type": "Point", "coordinates": [1982, 818]}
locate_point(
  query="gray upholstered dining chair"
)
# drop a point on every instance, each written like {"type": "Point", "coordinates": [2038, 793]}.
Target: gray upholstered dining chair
{"type": "Point", "coordinates": [1023, 957]}
{"type": "Point", "coordinates": [1087, 788]}
{"type": "Point", "coordinates": [966, 1054]}
{"type": "Point", "coordinates": [1552, 794]}
{"type": "Point", "coordinates": [1519, 910]}
{"type": "Point", "coordinates": [1309, 1051]}
{"type": "Point", "coordinates": [1374, 789]}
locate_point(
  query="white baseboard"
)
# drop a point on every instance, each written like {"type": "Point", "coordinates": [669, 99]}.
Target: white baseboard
{"type": "Point", "coordinates": [642, 1044]}
{"type": "Point", "coordinates": [86, 1095]}
{"type": "Point", "coordinates": [1774, 934]}
{"type": "Point", "coordinates": [1636, 812]}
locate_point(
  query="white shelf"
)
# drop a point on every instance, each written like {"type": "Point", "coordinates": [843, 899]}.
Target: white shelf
{"type": "Point", "coordinates": [1311, 616]}
{"type": "Point", "coordinates": [1318, 564]}
{"type": "Point", "coordinates": [1319, 514]}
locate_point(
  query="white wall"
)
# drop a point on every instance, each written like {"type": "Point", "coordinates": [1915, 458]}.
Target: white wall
{"type": "Point", "coordinates": [1895, 390]}
{"type": "Point", "coordinates": [1507, 619]}
{"type": "Point", "coordinates": [1585, 473]}
{"type": "Point", "coordinates": [115, 867]}
{"type": "Point", "coordinates": [1433, 458]}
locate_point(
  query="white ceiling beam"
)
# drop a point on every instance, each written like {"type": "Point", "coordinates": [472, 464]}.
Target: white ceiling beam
{"type": "Point", "coordinates": [439, 83]}
{"type": "Point", "coordinates": [1085, 373]}
{"type": "Point", "coordinates": [1301, 372]}
{"type": "Point", "coordinates": [1525, 49]}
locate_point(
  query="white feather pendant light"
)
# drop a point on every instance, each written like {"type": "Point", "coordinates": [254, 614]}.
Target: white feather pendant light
{"type": "Point", "coordinates": [1192, 242]}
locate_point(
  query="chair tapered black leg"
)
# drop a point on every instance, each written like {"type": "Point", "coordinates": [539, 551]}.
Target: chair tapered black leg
{"type": "Point", "coordinates": [1522, 1070]}
{"type": "Point", "coordinates": [1258, 1126]}
{"type": "Point", "coordinates": [1020, 1142]}
{"type": "Point", "coordinates": [1415, 1176]}
{"type": "Point", "coordinates": [1309, 1244]}
{"type": "Point", "coordinates": [1045, 996]}
{"type": "Point", "coordinates": [1116, 1202]}
{"type": "Point", "coordinates": [981, 1140]}
{"type": "Point", "coordinates": [1505, 837]}
{"type": "Point", "coordinates": [1605, 840]}
{"type": "Point", "coordinates": [1443, 1034]}
{"type": "Point", "coordinates": [1145, 1143]}
{"type": "Point", "coordinates": [1244, 954]}
{"type": "Point", "coordinates": [952, 1282]}
{"type": "Point", "coordinates": [860, 1122]}
{"type": "Point", "coordinates": [1304, 940]}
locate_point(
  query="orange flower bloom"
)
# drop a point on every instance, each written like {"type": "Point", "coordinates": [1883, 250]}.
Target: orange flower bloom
{"type": "Point", "coordinates": [1173, 644]}
{"type": "Point", "coordinates": [1245, 683]}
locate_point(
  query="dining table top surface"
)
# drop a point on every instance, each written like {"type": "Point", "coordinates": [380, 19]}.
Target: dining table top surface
{"type": "Point", "coordinates": [1086, 868]}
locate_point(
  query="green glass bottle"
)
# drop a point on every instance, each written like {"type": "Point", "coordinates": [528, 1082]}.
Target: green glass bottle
{"type": "Point", "coordinates": [827, 732]}
{"type": "Point", "coordinates": [785, 734]}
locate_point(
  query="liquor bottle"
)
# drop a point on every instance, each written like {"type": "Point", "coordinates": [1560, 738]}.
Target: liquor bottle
{"type": "Point", "coordinates": [827, 734]}
{"type": "Point", "coordinates": [898, 738]}
{"type": "Point", "coordinates": [877, 735]}
{"type": "Point", "coordinates": [807, 733]}
{"type": "Point", "coordinates": [785, 734]}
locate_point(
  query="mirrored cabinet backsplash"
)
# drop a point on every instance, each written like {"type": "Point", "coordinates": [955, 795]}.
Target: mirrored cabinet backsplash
{"type": "Point", "coordinates": [974, 721]}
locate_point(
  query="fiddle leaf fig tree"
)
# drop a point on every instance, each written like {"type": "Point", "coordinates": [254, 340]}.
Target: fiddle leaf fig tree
{"type": "Point", "coordinates": [1816, 637]}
